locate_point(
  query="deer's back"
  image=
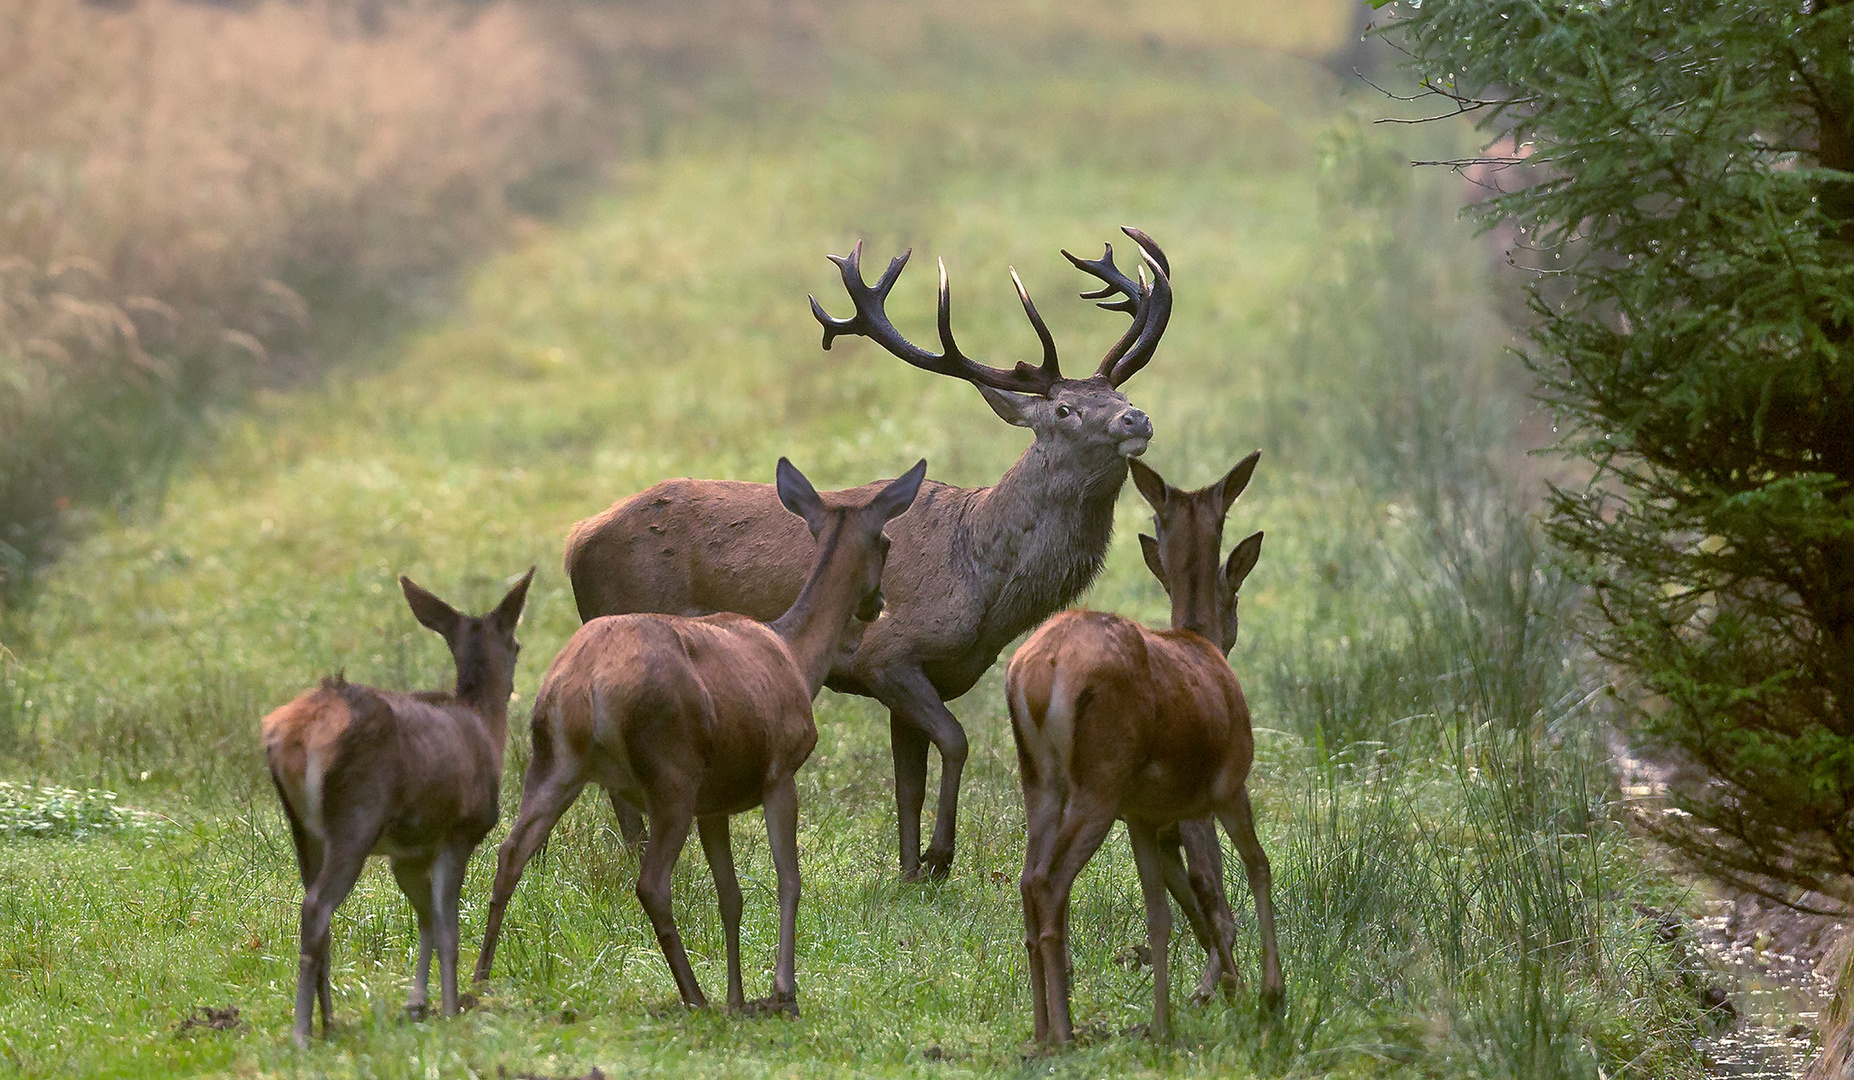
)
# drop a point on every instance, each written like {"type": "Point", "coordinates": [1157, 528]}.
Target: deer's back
{"type": "Point", "coordinates": [1154, 716]}
{"type": "Point", "coordinates": [718, 697]}
{"type": "Point", "coordinates": [421, 764]}
{"type": "Point", "coordinates": [695, 547]}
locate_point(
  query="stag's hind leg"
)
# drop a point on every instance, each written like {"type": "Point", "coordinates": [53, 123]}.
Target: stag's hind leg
{"type": "Point", "coordinates": [1043, 816]}
{"type": "Point", "coordinates": [1239, 821]}
{"type": "Point", "coordinates": [414, 877]}
{"type": "Point", "coordinates": [1085, 823]}
{"type": "Point", "coordinates": [308, 867]}
{"type": "Point", "coordinates": [341, 868]}
{"type": "Point", "coordinates": [1146, 856]}
{"type": "Point", "coordinates": [718, 846]}
{"type": "Point", "coordinates": [1196, 883]}
{"type": "Point", "coordinates": [669, 830]}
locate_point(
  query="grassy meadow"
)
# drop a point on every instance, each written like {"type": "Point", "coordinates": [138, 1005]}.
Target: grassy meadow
{"type": "Point", "coordinates": [1455, 890]}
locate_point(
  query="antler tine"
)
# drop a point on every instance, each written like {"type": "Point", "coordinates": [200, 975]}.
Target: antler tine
{"type": "Point", "coordinates": [1152, 322]}
{"type": "Point", "coordinates": [1149, 305]}
{"type": "Point", "coordinates": [1042, 330]}
{"type": "Point", "coordinates": [871, 321]}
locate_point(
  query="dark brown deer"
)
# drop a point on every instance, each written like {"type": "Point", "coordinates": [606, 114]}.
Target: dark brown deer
{"type": "Point", "coordinates": [1114, 720]}
{"type": "Point", "coordinates": [973, 567]}
{"type": "Point", "coordinates": [413, 777]}
{"type": "Point", "coordinates": [700, 718]}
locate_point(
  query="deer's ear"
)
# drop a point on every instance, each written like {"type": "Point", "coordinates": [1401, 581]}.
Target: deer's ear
{"type": "Point", "coordinates": [899, 494]}
{"type": "Point", "coordinates": [431, 612]}
{"type": "Point", "coordinates": [1149, 547]}
{"type": "Point", "coordinates": [799, 496]}
{"type": "Point", "coordinates": [1236, 479]}
{"type": "Point", "coordinates": [1151, 485]}
{"type": "Point", "coordinates": [1242, 560]}
{"type": "Point", "coordinates": [508, 612]}
{"type": "Point", "coordinates": [1011, 408]}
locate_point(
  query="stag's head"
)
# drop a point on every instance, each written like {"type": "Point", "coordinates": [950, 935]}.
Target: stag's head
{"type": "Point", "coordinates": [1186, 554]}
{"type": "Point", "coordinates": [1089, 419]}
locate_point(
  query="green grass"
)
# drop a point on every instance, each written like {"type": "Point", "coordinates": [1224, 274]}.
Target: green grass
{"type": "Point", "coordinates": [1454, 891]}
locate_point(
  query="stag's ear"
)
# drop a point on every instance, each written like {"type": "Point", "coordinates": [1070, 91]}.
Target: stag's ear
{"type": "Point", "coordinates": [1242, 560]}
{"type": "Point", "coordinates": [1150, 484]}
{"type": "Point", "coordinates": [433, 613]}
{"type": "Point", "coordinates": [1011, 408]}
{"type": "Point", "coordinates": [799, 496]}
{"type": "Point", "coordinates": [899, 494]}
{"type": "Point", "coordinates": [1236, 479]}
{"type": "Point", "coordinates": [1149, 547]}
{"type": "Point", "coordinates": [508, 612]}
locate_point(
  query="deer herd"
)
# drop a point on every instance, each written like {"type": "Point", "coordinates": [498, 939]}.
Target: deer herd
{"type": "Point", "coordinates": [715, 610]}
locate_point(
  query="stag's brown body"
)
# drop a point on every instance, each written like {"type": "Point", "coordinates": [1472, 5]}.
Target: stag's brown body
{"type": "Point", "coordinates": [972, 567]}
{"type": "Point", "coordinates": [412, 776]}
{"type": "Point", "coordinates": [697, 718]}
{"type": "Point", "coordinates": [1115, 720]}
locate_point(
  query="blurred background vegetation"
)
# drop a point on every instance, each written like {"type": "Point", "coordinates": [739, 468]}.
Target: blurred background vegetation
{"type": "Point", "coordinates": [441, 277]}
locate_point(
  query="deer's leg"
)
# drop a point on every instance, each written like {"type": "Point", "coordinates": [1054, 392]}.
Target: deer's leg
{"type": "Point", "coordinates": [912, 700]}
{"type": "Point", "coordinates": [908, 744]}
{"type": "Point", "coordinates": [781, 809]}
{"type": "Point", "coordinates": [309, 848]}
{"type": "Point", "coordinates": [1042, 815]}
{"type": "Point", "coordinates": [1195, 881]}
{"type": "Point", "coordinates": [415, 880]}
{"type": "Point", "coordinates": [547, 791]}
{"type": "Point", "coordinates": [341, 868]}
{"type": "Point", "coordinates": [720, 851]}
{"type": "Point", "coordinates": [447, 874]}
{"type": "Point", "coordinates": [1146, 856]}
{"type": "Point", "coordinates": [1239, 821]}
{"type": "Point", "coordinates": [1085, 823]}
{"type": "Point", "coordinates": [669, 829]}
{"type": "Point", "coordinates": [630, 819]}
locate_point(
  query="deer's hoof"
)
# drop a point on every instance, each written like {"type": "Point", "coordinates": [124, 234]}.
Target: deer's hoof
{"type": "Point", "coordinates": [772, 1005]}
{"type": "Point", "coordinates": [417, 1011]}
{"type": "Point", "coordinates": [936, 865]}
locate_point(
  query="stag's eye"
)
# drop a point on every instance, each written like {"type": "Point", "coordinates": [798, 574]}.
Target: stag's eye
{"type": "Point", "coordinates": [1062, 411]}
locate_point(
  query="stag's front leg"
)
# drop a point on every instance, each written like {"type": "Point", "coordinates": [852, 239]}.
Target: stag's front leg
{"type": "Point", "coordinates": [447, 876]}
{"type": "Point", "coordinates": [718, 846]}
{"type": "Point", "coordinates": [1196, 883]}
{"type": "Point", "coordinates": [1158, 923]}
{"type": "Point", "coordinates": [781, 808]}
{"type": "Point", "coordinates": [911, 696]}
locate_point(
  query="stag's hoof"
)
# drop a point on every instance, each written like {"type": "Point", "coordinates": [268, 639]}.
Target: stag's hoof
{"type": "Point", "coordinates": [417, 1011]}
{"type": "Point", "coordinates": [773, 1005]}
{"type": "Point", "coordinates": [936, 865]}
{"type": "Point", "coordinates": [1274, 1000]}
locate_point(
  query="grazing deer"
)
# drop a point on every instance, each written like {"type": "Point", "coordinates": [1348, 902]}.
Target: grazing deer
{"type": "Point", "coordinates": [973, 567]}
{"type": "Point", "coordinates": [701, 718]}
{"type": "Point", "coordinates": [413, 777]}
{"type": "Point", "coordinates": [1115, 720]}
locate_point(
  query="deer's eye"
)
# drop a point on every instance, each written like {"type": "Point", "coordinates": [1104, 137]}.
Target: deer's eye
{"type": "Point", "coordinates": [1063, 411]}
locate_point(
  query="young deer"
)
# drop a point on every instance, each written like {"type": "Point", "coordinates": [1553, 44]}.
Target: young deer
{"type": "Point", "coordinates": [411, 776]}
{"type": "Point", "coordinates": [699, 718]}
{"type": "Point", "coordinates": [1115, 720]}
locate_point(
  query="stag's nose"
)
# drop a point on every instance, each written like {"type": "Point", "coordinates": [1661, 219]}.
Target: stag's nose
{"type": "Point", "coordinates": [1132, 424]}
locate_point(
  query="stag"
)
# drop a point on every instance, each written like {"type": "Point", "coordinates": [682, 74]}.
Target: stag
{"type": "Point", "coordinates": [698, 718]}
{"type": "Point", "coordinates": [413, 777]}
{"type": "Point", "coordinates": [973, 567]}
{"type": "Point", "coordinates": [1115, 720]}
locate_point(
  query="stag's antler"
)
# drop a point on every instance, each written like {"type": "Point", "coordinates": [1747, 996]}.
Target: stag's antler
{"type": "Point", "coordinates": [1149, 304]}
{"type": "Point", "coordinates": [871, 321]}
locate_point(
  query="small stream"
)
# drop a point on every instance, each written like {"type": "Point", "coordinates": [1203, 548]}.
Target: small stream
{"type": "Point", "coordinates": [1778, 996]}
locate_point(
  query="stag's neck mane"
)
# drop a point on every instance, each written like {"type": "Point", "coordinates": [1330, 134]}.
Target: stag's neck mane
{"type": "Point", "coordinates": [1043, 528]}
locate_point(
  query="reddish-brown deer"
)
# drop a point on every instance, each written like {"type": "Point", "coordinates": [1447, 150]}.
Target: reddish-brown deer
{"type": "Point", "coordinates": [696, 719]}
{"type": "Point", "coordinates": [412, 776]}
{"type": "Point", "coordinates": [1114, 720]}
{"type": "Point", "coordinates": [973, 567]}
